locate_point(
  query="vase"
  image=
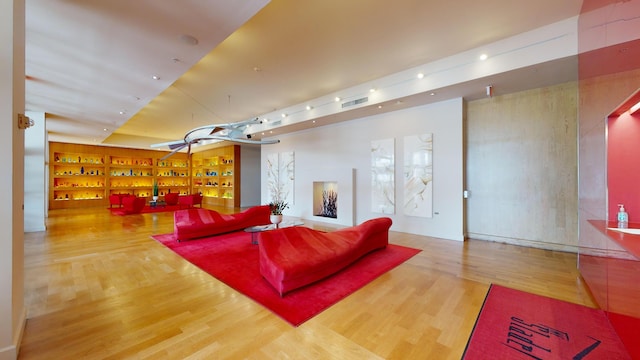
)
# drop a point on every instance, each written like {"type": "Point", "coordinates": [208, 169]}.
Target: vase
{"type": "Point", "coordinates": [275, 219]}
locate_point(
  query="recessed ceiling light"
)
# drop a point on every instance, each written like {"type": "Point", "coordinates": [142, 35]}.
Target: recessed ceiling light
{"type": "Point", "coordinates": [420, 75]}
{"type": "Point", "coordinates": [105, 129]}
{"type": "Point", "coordinates": [309, 107]}
{"type": "Point", "coordinates": [122, 112]}
{"type": "Point", "coordinates": [284, 115]}
{"type": "Point", "coordinates": [189, 39]}
{"type": "Point", "coordinates": [314, 121]}
{"type": "Point", "coordinates": [155, 77]}
{"type": "Point", "coordinates": [337, 98]}
{"type": "Point", "coordinates": [372, 90]}
{"type": "Point", "coordinates": [484, 57]}
{"type": "Point", "coordinates": [379, 106]}
{"type": "Point", "coordinates": [432, 94]}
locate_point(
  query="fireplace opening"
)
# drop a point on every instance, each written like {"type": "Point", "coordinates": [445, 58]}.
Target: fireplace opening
{"type": "Point", "coordinates": [325, 199]}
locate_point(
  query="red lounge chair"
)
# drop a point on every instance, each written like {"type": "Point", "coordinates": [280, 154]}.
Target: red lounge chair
{"type": "Point", "coordinates": [133, 204]}
{"type": "Point", "coordinates": [171, 198]}
{"type": "Point", "coordinates": [190, 200]}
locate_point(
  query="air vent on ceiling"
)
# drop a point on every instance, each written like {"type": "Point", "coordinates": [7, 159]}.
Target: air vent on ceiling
{"type": "Point", "coordinates": [355, 102]}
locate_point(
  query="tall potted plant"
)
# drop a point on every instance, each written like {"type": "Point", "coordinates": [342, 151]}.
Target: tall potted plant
{"type": "Point", "coordinates": [276, 207]}
{"type": "Point", "coordinates": [155, 190]}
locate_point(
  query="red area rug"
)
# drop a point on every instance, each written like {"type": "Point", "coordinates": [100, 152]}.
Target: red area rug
{"type": "Point", "coordinates": [518, 325]}
{"type": "Point", "coordinates": [232, 259]}
{"type": "Point", "coordinates": [147, 209]}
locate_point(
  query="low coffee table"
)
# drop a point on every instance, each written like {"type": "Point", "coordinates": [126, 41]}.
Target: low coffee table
{"type": "Point", "coordinates": [157, 203]}
{"type": "Point", "coordinates": [254, 230]}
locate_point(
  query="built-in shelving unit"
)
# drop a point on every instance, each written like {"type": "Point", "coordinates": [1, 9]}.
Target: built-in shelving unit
{"type": "Point", "coordinates": [85, 175]}
{"type": "Point", "coordinates": [173, 176]}
{"type": "Point", "coordinates": [77, 176]}
{"type": "Point", "coordinates": [131, 175]}
{"type": "Point", "coordinates": [216, 173]}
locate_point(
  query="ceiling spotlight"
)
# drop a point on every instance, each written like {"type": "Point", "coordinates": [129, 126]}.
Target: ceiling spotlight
{"type": "Point", "coordinates": [337, 98]}
{"type": "Point", "coordinates": [188, 39]}
{"type": "Point", "coordinates": [122, 112]}
{"type": "Point", "coordinates": [372, 90]}
{"type": "Point", "coordinates": [284, 115]}
{"type": "Point", "coordinates": [432, 94]}
{"type": "Point", "coordinates": [379, 106]}
{"type": "Point", "coordinates": [420, 75]}
{"type": "Point", "coordinates": [484, 57]}
{"type": "Point", "coordinates": [155, 77]}
{"type": "Point", "coordinates": [309, 107]}
{"type": "Point", "coordinates": [105, 129]}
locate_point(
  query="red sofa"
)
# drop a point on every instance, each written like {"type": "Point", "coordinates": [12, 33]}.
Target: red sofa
{"type": "Point", "coordinates": [195, 223]}
{"type": "Point", "coordinates": [190, 200]}
{"type": "Point", "coordinates": [297, 256]}
{"type": "Point", "coordinates": [133, 204]}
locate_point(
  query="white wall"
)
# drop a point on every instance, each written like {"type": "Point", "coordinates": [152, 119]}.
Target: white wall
{"type": "Point", "coordinates": [35, 174]}
{"type": "Point", "coordinates": [344, 146]}
{"type": "Point", "coordinates": [521, 168]}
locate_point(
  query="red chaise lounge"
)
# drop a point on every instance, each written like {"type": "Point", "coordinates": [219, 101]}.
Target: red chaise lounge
{"type": "Point", "coordinates": [297, 256]}
{"type": "Point", "coordinates": [195, 223]}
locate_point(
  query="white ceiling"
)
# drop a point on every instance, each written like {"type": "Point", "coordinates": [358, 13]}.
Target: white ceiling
{"type": "Point", "coordinates": [89, 60]}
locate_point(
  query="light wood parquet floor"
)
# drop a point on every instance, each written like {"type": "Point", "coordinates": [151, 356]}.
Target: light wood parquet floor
{"type": "Point", "coordinates": [98, 287]}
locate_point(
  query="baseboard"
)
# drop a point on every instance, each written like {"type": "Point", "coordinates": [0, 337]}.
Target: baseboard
{"type": "Point", "coordinates": [525, 242]}
{"type": "Point", "coordinates": [20, 330]}
{"type": "Point", "coordinates": [11, 352]}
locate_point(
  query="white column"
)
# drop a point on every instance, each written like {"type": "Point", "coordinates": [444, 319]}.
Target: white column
{"type": "Point", "coordinates": [12, 87]}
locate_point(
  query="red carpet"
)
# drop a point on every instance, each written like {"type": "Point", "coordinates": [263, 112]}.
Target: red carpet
{"type": "Point", "coordinates": [147, 209]}
{"type": "Point", "coordinates": [517, 325]}
{"type": "Point", "coordinates": [232, 259]}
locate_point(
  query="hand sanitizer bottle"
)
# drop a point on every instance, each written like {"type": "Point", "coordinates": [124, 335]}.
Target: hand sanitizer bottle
{"type": "Point", "coordinates": [623, 218]}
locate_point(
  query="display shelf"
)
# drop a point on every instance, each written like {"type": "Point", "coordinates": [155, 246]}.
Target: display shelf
{"type": "Point", "coordinates": [214, 175]}
{"type": "Point", "coordinates": [86, 175]}
{"type": "Point", "coordinates": [173, 176]}
{"type": "Point", "coordinates": [76, 175]}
